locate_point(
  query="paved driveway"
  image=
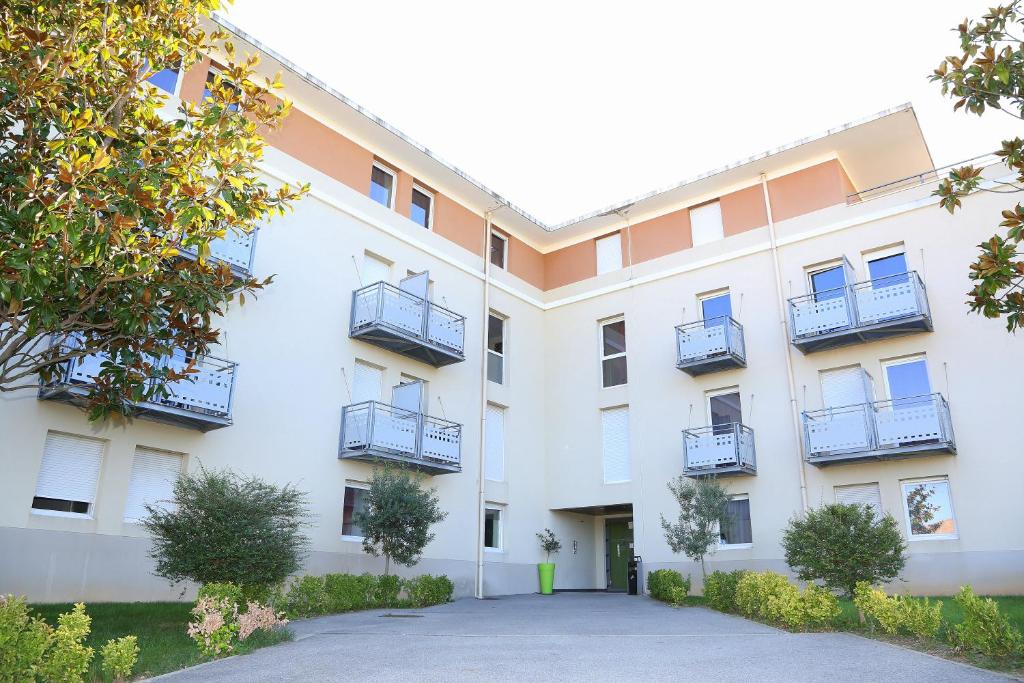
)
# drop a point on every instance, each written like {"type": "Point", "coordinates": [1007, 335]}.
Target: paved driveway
{"type": "Point", "coordinates": [570, 636]}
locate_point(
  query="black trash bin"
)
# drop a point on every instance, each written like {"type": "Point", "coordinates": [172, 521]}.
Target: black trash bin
{"type": "Point", "coordinates": [633, 575]}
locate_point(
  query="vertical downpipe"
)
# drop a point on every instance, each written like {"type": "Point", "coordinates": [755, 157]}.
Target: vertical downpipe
{"type": "Point", "coordinates": [780, 294]}
{"type": "Point", "coordinates": [479, 592]}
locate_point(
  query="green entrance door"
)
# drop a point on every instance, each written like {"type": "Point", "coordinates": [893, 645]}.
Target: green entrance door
{"type": "Point", "coordinates": [618, 534]}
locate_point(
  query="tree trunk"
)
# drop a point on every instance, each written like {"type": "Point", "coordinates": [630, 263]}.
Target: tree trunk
{"type": "Point", "coordinates": [703, 571]}
{"type": "Point", "coordinates": [387, 564]}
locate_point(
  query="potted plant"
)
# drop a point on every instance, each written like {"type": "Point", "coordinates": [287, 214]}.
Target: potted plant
{"type": "Point", "coordinates": [546, 569]}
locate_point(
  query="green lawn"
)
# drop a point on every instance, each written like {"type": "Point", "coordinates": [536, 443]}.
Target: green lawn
{"type": "Point", "coordinates": [160, 627]}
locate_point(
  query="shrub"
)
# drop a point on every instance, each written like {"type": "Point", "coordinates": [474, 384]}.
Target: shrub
{"type": "Point", "coordinates": [702, 507]}
{"type": "Point", "coordinates": [660, 583]}
{"type": "Point", "coordinates": [119, 657]}
{"type": "Point", "coordinates": [221, 514]}
{"type": "Point", "coordinates": [772, 598]}
{"type": "Point", "coordinates": [221, 590]}
{"type": "Point", "coordinates": [386, 590]}
{"type": "Point", "coordinates": [258, 618]}
{"type": "Point", "coordinates": [426, 590]}
{"type": "Point", "coordinates": [841, 545]}
{"type": "Point", "coordinates": [985, 628]}
{"type": "Point", "coordinates": [347, 592]}
{"type": "Point", "coordinates": [720, 590]}
{"type": "Point", "coordinates": [66, 658]}
{"type": "Point", "coordinates": [677, 594]}
{"type": "Point", "coordinates": [307, 597]}
{"type": "Point", "coordinates": [214, 625]}
{"type": "Point", "coordinates": [23, 639]}
{"type": "Point", "coordinates": [820, 606]}
{"type": "Point", "coordinates": [899, 613]}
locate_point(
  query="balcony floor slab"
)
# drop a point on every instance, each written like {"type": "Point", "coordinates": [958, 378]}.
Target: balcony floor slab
{"type": "Point", "coordinates": [903, 452]}
{"type": "Point", "coordinates": [406, 345]}
{"type": "Point", "coordinates": [373, 455]}
{"type": "Point", "coordinates": [703, 366]}
{"type": "Point", "coordinates": [864, 334]}
{"type": "Point", "coordinates": [154, 412]}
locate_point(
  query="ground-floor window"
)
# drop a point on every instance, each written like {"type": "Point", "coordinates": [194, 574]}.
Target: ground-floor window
{"type": "Point", "coordinates": [492, 529]}
{"type": "Point", "coordinates": [735, 528]}
{"type": "Point", "coordinates": [68, 475]}
{"type": "Point", "coordinates": [355, 502]}
{"type": "Point", "coordinates": [928, 506]}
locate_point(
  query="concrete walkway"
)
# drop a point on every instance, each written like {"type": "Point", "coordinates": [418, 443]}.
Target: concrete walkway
{"type": "Point", "coordinates": [570, 636]}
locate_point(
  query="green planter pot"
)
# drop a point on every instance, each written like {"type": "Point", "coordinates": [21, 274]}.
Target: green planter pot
{"type": "Point", "coordinates": [546, 572]}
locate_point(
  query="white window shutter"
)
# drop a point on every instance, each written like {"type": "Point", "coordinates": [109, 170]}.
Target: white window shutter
{"type": "Point", "coordinates": [609, 254]}
{"type": "Point", "coordinates": [367, 382]}
{"type": "Point", "coordinates": [375, 270]}
{"type": "Point", "coordinates": [615, 444]}
{"type": "Point", "coordinates": [153, 476]}
{"type": "Point", "coordinates": [70, 468]}
{"type": "Point", "coordinates": [494, 463]}
{"type": "Point", "coordinates": [860, 494]}
{"type": "Point", "coordinates": [706, 223]}
{"type": "Point", "coordinates": [843, 387]}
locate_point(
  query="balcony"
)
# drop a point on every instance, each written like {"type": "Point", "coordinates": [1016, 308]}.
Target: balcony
{"type": "Point", "coordinates": [202, 402]}
{"type": "Point", "coordinates": [709, 346]}
{"type": "Point", "coordinates": [866, 311]}
{"type": "Point", "coordinates": [719, 450]}
{"type": "Point", "coordinates": [378, 432]}
{"type": "Point", "coordinates": [399, 321]}
{"type": "Point", "coordinates": [236, 249]}
{"type": "Point", "coordinates": [900, 428]}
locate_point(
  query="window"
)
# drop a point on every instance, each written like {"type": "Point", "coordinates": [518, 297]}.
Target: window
{"type": "Point", "coordinates": [422, 209]}
{"type": "Point", "coordinates": [68, 475]}
{"type": "Point", "coordinates": [615, 444]}
{"type": "Point", "coordinates": [828, 283]}
{"type": "Point", "coordinates": [153, 475]}
{"type": "Point", "coordinates": [886, 267]}
{"type": "Point", "coordinates": [211, 82]}
{"type": "Point", "coordinates": [410, 394]}
{"type": "Point", "coordinates": [613, 353]}
{"type": "Point", "coordinates": [367, 381]}
{"type": "Point", "coordinates": [861, 494]}
{"type": "Point", "coordinates": [496, 349]}
{"type": "Point", "coordinates": [706, 223]}
{"type": "Point", "coordinates": [355, 501]}
{"type": "Point", "coordinates": [842, 387]}
{"type": "Point", "coordinates": [906, 380]}
{"type": "Point", "coordinates": [735, 527]}
{"type": "Point", "coordinates": [716, 309]}
{"type": "Point", "coordinates": [724, 410]}
{"type": "Point", "coordinates": [494, 461]}
{"type": "Point", "coordinates": [499, 250]}
{"type": "Point", "coordinates": [382, 186]}
{"type": "Point", "coordinates": [375, 269]}
{"type": "Point", "coordinates": [609, 253]}
{"type": "Point", "coordinates": [166, 79]}
{"type": "Point", "coordinates": [929, 509]}
{"type": "Point", "coordinates": [492, 529]}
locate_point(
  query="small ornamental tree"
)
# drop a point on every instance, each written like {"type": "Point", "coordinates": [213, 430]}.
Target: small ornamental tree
{"type": "Point", "coordinates": [841, 545]}
{"type": "Point", "coordinates": [702, 506]}
{"type": "Point", "coordinates": [549, 543]}
{"type": "Point", "coordinates": [397, 517]}
{"type": "Point", "coordinates": [224, 526]}
{"type": "Point", "coordinates": [103, 193]}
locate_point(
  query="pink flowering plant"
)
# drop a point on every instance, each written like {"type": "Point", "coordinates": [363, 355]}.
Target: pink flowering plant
{"type": "Point", "coordinates": [258, 617]}
{"type": "Point", "coordinates": [214, 625]}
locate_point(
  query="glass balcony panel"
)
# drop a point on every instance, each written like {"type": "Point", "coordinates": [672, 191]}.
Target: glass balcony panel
{"type": "Point", "coordinates": [235, 249]}
{"type": "Point", "coordinates": [886, 299]}
{"type": "Point", "coordinates": [814, 315]}
{"type": "Point", "coordinates": [838, 429]}
{"type": "Point", "coordinates": [715, 448]}
{"type": "Point", "coordinates": [374, 430]}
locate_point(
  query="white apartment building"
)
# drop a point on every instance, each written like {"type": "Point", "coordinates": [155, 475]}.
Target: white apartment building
{"type": "Point", "coordinates": [793, 323]}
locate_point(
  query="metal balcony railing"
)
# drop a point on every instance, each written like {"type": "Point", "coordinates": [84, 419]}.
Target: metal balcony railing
{"type": "Point", "coordinates": [396, 320]}
{"type": "Point", "coordinates": [710, 345]}
{"type": "Point", "coordinates": [719, 450]}
{"type": "Point", "coordinates": [377, 431]}
{"type": "Point", "coordinates": [236, 249]}
{"type": "Point", "coordinates": [201, 402]}
{"type": "Point", "coordinates": [891, 428]}
{"type": "Point", "coordinates": [864, 311]}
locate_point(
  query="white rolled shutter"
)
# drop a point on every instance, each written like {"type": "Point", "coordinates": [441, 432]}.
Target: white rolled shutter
{"type": "Point", "coordinates": [860, 494]}
{"type": "Point", "coordinates": [706, 223]}
{"type": "Point", "coordinates": [70, 468]}
{"type": "Point", "coordinates": [843, 387]}
{"type": "Point", "coordinates": [153, 476]}
{"type": "Point", "coordinates": [615, 444]}
{"type": "Point", "coordinates": [367, 381]}
{"type": "Point", "coordinates": [609, 254]}
{"type": "Point", "coordinates": [494, 462]}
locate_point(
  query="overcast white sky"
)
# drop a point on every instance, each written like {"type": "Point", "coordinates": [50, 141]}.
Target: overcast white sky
{"type": "Point", "coordinates": [565, 107]}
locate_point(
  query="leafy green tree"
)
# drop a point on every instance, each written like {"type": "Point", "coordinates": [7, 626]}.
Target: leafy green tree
{"type": "Point", "coordinates": [102, 195]}
{"type": "Point", "coordinates": [226, 527]}
{"type": "Point", "coordinates": [841, 545]}
{"type": "Point", "coordinates": [702, 509]}
{"type": "Point", "coordinates": [397, 517]}
{"type": "Point", "coordinates": [988, 73]}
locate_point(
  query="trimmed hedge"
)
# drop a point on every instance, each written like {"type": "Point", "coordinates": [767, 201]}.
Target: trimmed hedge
{"type": "Point", "coordinates": [668, 585]}
{"type": "Point", "coordinates": [720, 589]}
{"type": "Point", "coordinates": [899, 613]}
{"type": "Point", "coordinates": [772, 598]}
{"type": "Point", "coordinates": [310, 596]}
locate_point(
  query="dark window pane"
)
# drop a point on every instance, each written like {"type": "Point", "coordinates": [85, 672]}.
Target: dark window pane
{"type": "Point", "coordinates": [495, 334]}
{"type": "Point", "coordinates": [613, 371]}
{"type": "Point", "coordinates": [716, 309]}
{"type": "Point", "coordinates": [888, 271]}
{"type": "Point", "coordinates": [828, 284]}
{"type": "Point", "coordinates": [420, 211]}
{"type": "Point", "coordinates": [725, 410]}
{"type": "Point", "coordinates": [497, 250]}
{"type": "Point", "coordinates": [614, 337]}
{"type": "Point", "coordinates": [736, 525]}
{"type": "Point", "coordinates": [381, 186]}
{"type": "Point", "coordinates": [355, 501]}
{"type": "Point", "coordinates": [492, 529]}
{"type": "Point", "coordinates": [60, 505]}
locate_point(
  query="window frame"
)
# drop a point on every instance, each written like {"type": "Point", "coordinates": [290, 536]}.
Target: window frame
{"type": "Point", "coordinates": [503, 354]}
{"type": "Point", "coordinates": [724, 391]}
{"type": "Point", "coordinates": [713, 294]}
{"type": "Point", "coordinates": [886, 363]}
{"type": "Point", "coordinates": [429, 194]}
{"type": "Point", "coordinates": [394, 183]}
{"type": "Point", "coordinates": [504, 249]}
{"type": "Point", "coordinates": [358, 486]}
{"type": "Point", "coordinates": [911, 536]}
{"type": "Point", "coordinates": [601, 324]}
{"type": "Point", "coordinates": [738, 546]}
{"type": "Point", "coordinates": [500, 509]}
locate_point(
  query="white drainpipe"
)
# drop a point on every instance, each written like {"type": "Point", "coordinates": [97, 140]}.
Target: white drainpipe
{"type": "Point", "coordinates": [479, 591]}
{"type": "Point", "coordinates": [794, 409]}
